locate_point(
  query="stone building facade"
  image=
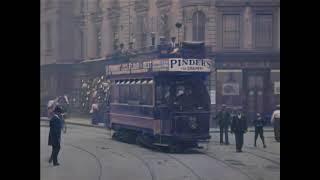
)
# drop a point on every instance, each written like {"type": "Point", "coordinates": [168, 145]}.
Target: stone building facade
{"type": "Point", "coordinates": [242, 37]}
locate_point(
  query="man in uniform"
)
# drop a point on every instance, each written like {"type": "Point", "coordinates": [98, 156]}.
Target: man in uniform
{"type": "Point", "coordinates": [55, 135]}
{"type": "Point", "coordinates": [239, 127]}
{"type": "Point", "coordinates": [224, 122]}
{"type": "Point", "coordinates": [275, 120]}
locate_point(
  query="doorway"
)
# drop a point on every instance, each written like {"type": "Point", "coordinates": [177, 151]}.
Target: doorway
{"type": "Point", "coordinates": [255, 82]}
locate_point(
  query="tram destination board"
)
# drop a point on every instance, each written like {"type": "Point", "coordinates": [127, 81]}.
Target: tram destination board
{"type": "Point", "coordinates": [158, 65]}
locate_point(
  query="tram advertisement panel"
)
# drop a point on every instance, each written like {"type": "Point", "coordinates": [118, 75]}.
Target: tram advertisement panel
{"type": "Point", "coordinates": [174, 64]}
{"type": "Point", "coordinates": [190, 65]}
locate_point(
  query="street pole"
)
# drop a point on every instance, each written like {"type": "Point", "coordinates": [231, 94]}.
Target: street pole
{"type": "Point", "coordinates": [178, 25]}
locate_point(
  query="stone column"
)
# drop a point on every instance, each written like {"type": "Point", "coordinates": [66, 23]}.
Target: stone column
{"type": "Point", "coordinates": [247, 29]}
{"type": "Point", "coordinates": [106, 37]}
{"type": "Point", "coordinates": [92, 39]}
{"type": "Point", "coordinates": [278, 29]}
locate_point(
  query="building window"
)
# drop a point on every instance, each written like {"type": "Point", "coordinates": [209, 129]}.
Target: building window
{"type": "Point", "coordinates": [263, 30]}
{"type": "Point", "coordinates": [153, 41]}
{"type": "Point", "coordinates": [231, 31]}
{"type": "Point", "coordinates": [198, 26]}
{"type": "Point", "coordinates": [49, 35]}
{"type": "Point", "coordinates": [115, 40]}
{"type": "Point", "coordinates": [141, 31]}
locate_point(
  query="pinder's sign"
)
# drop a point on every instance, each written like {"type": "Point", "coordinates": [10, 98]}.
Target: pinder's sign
{"type": "Point", "coordinates": [157, 65]}
{"type": "Point", "coordinates": [190, 65]}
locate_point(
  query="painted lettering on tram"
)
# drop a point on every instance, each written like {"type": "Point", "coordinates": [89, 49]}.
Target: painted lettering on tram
{"type": "Point", "coordinates": [190, 65]}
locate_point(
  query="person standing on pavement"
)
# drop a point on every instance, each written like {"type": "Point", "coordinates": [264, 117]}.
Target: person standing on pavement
{"type": "Point", "coordinates": [60, 102]}
{"type": "Point", "coordinates": [55, 135]}
{"type": "Point", "coordinates": [95, 113]}
{"type": "Point", "coordinates": [239, 127]}
{"type": "Point", "coordinates": [50, 107]}
{"type": "Point", "coordinates": [275, 121]}
{"type": "Point", "coordinates": [224, 122]}
{"type": "Point", "coordinates": [258, 129]}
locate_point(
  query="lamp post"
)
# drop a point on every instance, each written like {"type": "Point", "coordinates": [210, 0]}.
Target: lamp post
{"type": "Point", "coordinates": [178, 25]}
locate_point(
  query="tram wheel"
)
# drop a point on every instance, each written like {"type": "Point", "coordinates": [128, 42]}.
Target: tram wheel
{"type": "Point", "coordinates": [138, 140]}
{"type": "Point", "coordinates": [115, 135]}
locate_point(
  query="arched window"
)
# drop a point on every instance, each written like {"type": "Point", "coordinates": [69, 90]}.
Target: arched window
{"type": "Point", "coordinates": [198, 26]}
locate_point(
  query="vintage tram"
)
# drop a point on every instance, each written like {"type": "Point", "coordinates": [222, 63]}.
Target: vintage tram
{"type": "Point", "coordinates": [163, 102]}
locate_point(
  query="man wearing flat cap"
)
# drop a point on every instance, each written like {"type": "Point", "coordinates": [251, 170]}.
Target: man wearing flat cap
{"type": "Point", "coordinates": [55, 135]}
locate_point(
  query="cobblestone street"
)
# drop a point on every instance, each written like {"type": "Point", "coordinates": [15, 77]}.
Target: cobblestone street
{"type": "Point", "coordinates": [90, 153]}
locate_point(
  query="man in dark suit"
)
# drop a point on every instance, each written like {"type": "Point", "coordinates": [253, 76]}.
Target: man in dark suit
{"type": "Point", "coordinates": [239, 127]}
{"type": "Point", "coordinates": [224, 122]}
{"type": "Point", "coordinates": [55, 135]}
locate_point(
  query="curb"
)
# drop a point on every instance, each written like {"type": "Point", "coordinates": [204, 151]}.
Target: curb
{"type": "Point", "coordinates": [78, 124]}
{"type": "Point", "coordinates": [265, 130]}
{"type": "Point", "coordinates": [102, 127]}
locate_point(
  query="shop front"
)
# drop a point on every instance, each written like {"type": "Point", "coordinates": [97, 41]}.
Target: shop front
{"type": "Point", "coordinates": [250, 81]}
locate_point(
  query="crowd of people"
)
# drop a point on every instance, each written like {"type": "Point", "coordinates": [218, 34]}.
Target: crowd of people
{"type": "Point", "coordinates": [237, 122]}
{"type": "Point", "coordinates": [95, 97]}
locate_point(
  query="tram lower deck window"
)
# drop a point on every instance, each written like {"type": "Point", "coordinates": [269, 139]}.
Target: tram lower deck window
{"type": "Point", "coordinates": [137, 91]}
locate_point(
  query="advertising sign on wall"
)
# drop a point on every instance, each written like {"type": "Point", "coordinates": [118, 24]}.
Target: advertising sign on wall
{"type": "Point", "coordinates": [213, 96]}
{"type": "Point", "coordinates": [277, 87]}
{"type": "Point", "coordinates": [230, 89]}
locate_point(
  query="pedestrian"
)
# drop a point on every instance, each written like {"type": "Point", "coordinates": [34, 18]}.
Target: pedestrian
{"type": "Point", "coordinates": [239, 127]}
{"type": "Point", "coordinates": [55, 135]}
{"type": "Point", "coordinates": [258, 130]}
{"type": "Point", "coordinates": [60, 101]}
{"type": "Point", "coordinates": [95, 113]}
{"type": "Point", "coordinates": [275, 121]}
{"type": "Point", "coordinates": [50, 108]}
{"type": "Point", "coordinates": [224, 123]}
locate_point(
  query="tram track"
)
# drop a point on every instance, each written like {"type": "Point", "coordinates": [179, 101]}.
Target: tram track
{"type": "Point", "coordinates": [150, 169]}
{"type": "Point", "coordinates": [186, 166]}
{"type": "Point", "coordinates": [262, 157]}
{"type": "Point", "coordinates": [254, 148]}
{"type": "Point", "coordinates": [227, 164]}
{"type": "Point", "coordinates": [92, 154]}
{"type": "Point", "coordinates": [206, 154]}
{"type": "Point", "coordinates": [152, 173]}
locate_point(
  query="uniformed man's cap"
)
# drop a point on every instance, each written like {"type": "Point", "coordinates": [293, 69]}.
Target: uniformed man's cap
{"type": "Point", "coordinates": [58, 109]}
